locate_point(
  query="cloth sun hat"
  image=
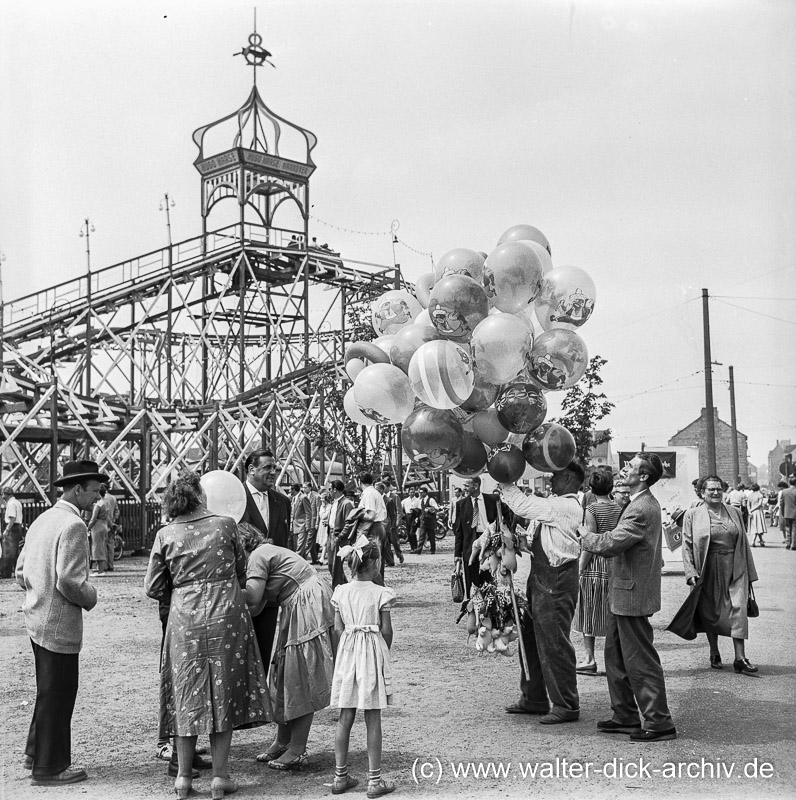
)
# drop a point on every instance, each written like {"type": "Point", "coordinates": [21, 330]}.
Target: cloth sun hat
{"type": "Point", "coordinates": [76, 471]}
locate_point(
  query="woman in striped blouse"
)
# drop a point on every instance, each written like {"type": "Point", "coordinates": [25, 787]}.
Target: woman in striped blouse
{"type": "Point", "coordinates": [601, 516]}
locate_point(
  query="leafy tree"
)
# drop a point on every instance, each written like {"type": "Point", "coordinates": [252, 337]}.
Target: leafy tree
{"type": "Point", "coordinates": [583, 407]}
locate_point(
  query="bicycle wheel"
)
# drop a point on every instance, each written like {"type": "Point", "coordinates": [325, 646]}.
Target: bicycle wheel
{"type": "Point", "coordinates": [441, 532]}
{"type": "Point", "coordinates": [118, 547]}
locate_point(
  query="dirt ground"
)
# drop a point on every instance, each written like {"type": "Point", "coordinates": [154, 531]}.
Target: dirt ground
{"type": "Point", "coordinates": [448, 715]}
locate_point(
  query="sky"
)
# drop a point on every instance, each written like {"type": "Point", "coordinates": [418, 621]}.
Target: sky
{"type": "Point", "coordinates": [652, 142]}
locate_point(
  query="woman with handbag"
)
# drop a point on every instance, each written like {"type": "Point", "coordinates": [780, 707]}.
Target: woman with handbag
{"type": "Point", "coordinates": [716, 551]}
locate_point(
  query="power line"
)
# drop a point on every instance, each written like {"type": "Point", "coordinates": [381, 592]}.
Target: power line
{"type": "Point", "coordinates": [623, 398]}
{"type": "Point", "coordinates": [737, 297]}
{"type": "Point", "coordinates": [759, 313]}
{"type": "Point", "coordinates": [645, 318]}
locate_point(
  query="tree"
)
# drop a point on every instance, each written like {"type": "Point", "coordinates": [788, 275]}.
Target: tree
{"type": "Point", "coordinates": [583, 407]}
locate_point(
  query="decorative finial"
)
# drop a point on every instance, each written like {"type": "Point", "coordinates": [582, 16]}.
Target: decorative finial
{"type": "Point", "coordinates": [254, 54]}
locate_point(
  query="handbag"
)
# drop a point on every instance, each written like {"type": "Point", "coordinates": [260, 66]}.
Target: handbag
{"type": "Point", "coordinates": [457, 586]}
{"type": "Point", "coordinates": [686, 622]}
{"type": "Point", "coordinates": [752, 609]}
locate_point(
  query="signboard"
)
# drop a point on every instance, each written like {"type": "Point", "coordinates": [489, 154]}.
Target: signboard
{"type": "Point", "coordinates": [673, 534]}
{"type": "Point", "coordinates": [668, 459]}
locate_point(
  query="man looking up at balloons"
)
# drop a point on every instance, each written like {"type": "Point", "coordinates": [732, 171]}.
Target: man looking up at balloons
{"type": "Point", "coordinates": [551, 688]}
{"type": "Point", "coordinates": [632, 666]}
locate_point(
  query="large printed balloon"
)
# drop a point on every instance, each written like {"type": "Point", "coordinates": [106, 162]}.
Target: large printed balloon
{"type": "Point", "coordinates": [441, 374]}
{"type": "Point", "coordinates": [566, 299]}
{"type": "Point", "coordinates": [384, 342]}
{"type": "Point", "coordinates": [473, 458]}
{"type": "Point", "coordinates": [460, 261]}
{"type": "Point", "coordinates": [225, 494]}
{"type": "Point", "coordinates": [542, 252]}
{"type": "Point", "coordinates": [521, 407]}
{"type": "Point", "coordinates": [423, 286]}
{"type": "Point", "coordinates": [433, 438]}
{"type": "Point", "coordinates": [423, 319]}
{"type": "Point", "coordinates": [394, 309]}
{"type": "Point", "coordinates": [549, 448]}
{"type": "Point", "coordinates": [558, 359]}
{"type": "Point", "coordinates": [406, 342]}
{"type": "Point", "coordinates": [500, 347]}
{"type": "Point", "coordinates": [512, 276]}
{"type": "Point", "coordinates": [519, 232]}
{"type": "Point", "coordinates": [482, 396]}
{"type": "Point", "coordinates": [456, 306]}
{"type": "Point", "coordinates": [505, 463]}
{"type": "Point", "coordinates": [353, 410]}
{"type": "Point", "coordinates": [383, 393]}
{"type": "Point", "coordinates": [359, 354]}
{"type": "Point", "coordinates": [486, 426]}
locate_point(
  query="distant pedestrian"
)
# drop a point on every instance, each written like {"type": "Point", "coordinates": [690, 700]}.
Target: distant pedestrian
{"type": "Point", "coordinates": [787, 513]}
{"type": "Point", "coordinates": [757, 515]}
{"type": "Point", "coordinates": [13, 532]}
{"type": "Point", "coordinates": [428, 522]}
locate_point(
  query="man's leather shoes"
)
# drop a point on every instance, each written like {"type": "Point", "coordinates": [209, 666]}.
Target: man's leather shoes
{"type": "Point", "coordinates": [518, 708]}
{"type": "Point", "coordinates": [609, 726]}
{"type": "Point", "coordinates": [654, 736]}
{"type": "Point", "coordinates": [60, 778]}
{"type": "Point", "coordinates": [555, 719]}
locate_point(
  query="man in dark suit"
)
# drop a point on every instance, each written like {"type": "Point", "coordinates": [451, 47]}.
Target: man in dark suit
{"type": "Point", "coordinates": [632, 665]}
{"type": "Point", "coordinates": [341, 507]}
{"type": "Point", "coordinates": [467, 527]}
{"type": "Point", "coordinates": [268, 510]}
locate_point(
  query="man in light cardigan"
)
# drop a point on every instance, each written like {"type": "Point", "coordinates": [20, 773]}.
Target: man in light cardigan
{"type": "Point", "coordinates": [53, 569]}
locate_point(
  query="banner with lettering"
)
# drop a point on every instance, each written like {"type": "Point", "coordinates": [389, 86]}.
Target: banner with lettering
{"type": "Point", "coordinates": [668, 459]}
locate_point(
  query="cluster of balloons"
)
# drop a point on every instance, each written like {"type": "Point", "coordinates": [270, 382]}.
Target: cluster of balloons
{"type": "Point", "coordinates": [464, 364]}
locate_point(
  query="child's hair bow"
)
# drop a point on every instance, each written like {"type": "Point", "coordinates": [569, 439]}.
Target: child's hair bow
{"type": "Point", "coordinates": [357, 547]}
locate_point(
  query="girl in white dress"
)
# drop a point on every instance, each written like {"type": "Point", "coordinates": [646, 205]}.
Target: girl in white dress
{"type": "Point", "coordinates": [362, 671]}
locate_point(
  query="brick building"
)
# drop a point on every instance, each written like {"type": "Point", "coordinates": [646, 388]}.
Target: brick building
{"type": "Point", "coordinates": [776, 457]}
{"type": "Point", "coordinates": [695, 435]}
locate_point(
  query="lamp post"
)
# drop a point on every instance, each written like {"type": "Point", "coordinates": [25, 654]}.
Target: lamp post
{"type": "Point", "coordinates": [85, 232]}
{"type": "Point", "coordinates": [166, 204]}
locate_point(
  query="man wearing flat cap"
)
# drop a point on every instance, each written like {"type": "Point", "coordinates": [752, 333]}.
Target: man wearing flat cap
{"type": "Point", "coordinates": [53, 569]}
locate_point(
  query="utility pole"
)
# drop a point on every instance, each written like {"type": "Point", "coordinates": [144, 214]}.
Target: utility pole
{"type": "Point", "coordinates": [736, 473]}
{"type": "Point", "coordinates": [710, 432]}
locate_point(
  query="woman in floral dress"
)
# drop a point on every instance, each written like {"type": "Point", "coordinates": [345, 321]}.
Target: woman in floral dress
{"type": "Point", "coordinates": [211, 674]}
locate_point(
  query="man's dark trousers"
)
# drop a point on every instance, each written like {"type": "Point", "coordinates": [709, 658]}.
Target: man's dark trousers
{"type": "Point", "coordinates": [50, 735]}
{"type": "Point", "coordinates": [552, 593]}
{"type": "Point", "coordinates": [634, 673]}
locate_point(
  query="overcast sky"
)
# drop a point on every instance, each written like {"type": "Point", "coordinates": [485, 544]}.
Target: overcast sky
{"type": "Point", "coordinates": [652, 142]}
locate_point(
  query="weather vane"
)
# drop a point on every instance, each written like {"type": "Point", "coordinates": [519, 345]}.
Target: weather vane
{"type": "Point", "coordinates": [255, 54]}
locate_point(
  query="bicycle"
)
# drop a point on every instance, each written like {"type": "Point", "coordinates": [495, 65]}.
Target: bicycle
{"type": "Point", "coordinates": [118, 547]}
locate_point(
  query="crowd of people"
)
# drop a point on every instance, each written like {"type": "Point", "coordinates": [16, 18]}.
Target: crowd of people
{"type": "Point", "coordinates": [253, 633]}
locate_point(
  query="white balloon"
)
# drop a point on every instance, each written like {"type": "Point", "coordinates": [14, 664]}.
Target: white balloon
{"type": "Point", "coordinates": [225, 494]}
{"type": "Point", "coordinates": [353, 410]}
{"type": "Point", "coordinates": [393, 310]}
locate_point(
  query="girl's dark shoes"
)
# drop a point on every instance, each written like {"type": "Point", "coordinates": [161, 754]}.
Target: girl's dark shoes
{"type": "Point", "coordinates": [743, 667]}
{"type": "Point", "coordinates": [715, 661]}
